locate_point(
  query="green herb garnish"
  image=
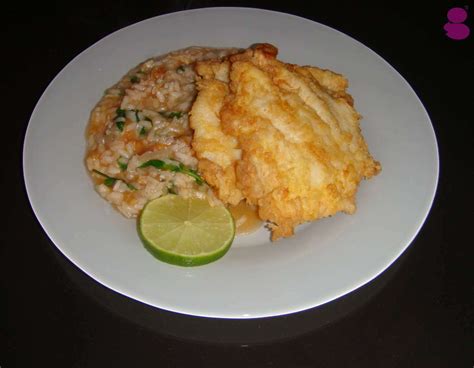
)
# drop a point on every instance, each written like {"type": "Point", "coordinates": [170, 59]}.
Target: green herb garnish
{"type": "Point", "coordinates": [110, 181]}
{"type": "Point", "coordinates": [130, 186]}
{"type": "Point", "coordinates": [171, 114]}
{"type": "Point", "coordinates": [100, 173]}
{"type": "Point", "coordinates": [137, 117]}
{"type": "Point", "coordinates": [142, 131]}
{"type": "Point", "coordinates": [180, 69]}
{"type": "Point", "coordinates": [120, 119]}
{"type": "Point", "coordinates": [120, 113]}
{"type": "Point", "coordinates": [120, 124]}
{"type": "Point", "coordinates": [158, 164]}
{"type": "Point", "coordinates": [122, 165]}
{"type": "Point", "coordinates": [134, 79]}
{"type": "Point", "coordinates": [192, 173]}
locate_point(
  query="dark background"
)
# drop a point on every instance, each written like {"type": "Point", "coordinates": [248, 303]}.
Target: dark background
{"type": "Point", "coordinates": [419, 313]}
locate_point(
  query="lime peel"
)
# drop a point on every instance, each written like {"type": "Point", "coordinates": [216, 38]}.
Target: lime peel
{"type": "Point", "coordinates": [183, 242]}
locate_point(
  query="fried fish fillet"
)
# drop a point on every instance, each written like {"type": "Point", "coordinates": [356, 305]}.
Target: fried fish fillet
{"type": "Point", "coordinates": [282, 137]}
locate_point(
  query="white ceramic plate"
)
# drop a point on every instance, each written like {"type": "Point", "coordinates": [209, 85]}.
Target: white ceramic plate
{"type": "Point", "coordinates": [323, 261]}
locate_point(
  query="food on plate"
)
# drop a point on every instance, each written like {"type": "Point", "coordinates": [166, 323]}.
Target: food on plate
{"type": "Point", "coordinates": [282, 137]}
{"type": "Point", "coordinates": [138, 137]}
{"type": "Point", "coordinates": [186, 232]}
{"type": "Point", "coordinates": [201, 140]}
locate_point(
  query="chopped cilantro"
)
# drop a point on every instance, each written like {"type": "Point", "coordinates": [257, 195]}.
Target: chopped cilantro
{"type": "Point", "coordinates": [174, 168]}
{"type": "Point", "coordinates": [171, 114]}
{"type": "Point", "coordinates": [131, 187]}
{"type": "Point", "coordinates": [110, 182]}
{"type": "Point", "coordinates": [120, 113]}
{"type": "Point", "coordinates": [120, 124]}
{"type": "Point", "coordinates": [121, 164]}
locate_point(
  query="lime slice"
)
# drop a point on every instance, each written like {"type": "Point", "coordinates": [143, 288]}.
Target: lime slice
{"type": "Point", "coordinates": [185, 232]}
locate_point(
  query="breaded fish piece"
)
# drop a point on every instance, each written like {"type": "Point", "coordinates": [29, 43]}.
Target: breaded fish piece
{"type": "Point", "coordinates": [217, 152]}
{"type": "Point", "coordinates": [283, 137]}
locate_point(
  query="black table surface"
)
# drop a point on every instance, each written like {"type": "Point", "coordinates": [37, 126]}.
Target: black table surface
{"type": "Point", "coordinates": [419, 313]}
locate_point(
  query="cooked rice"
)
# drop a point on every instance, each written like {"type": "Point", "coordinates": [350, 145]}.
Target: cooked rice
{"type": "Point", "coordinates": [155, 98]}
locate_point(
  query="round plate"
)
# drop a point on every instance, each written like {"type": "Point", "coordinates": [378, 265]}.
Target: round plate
{"type": "Point", "coordinates": [324, 260]}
